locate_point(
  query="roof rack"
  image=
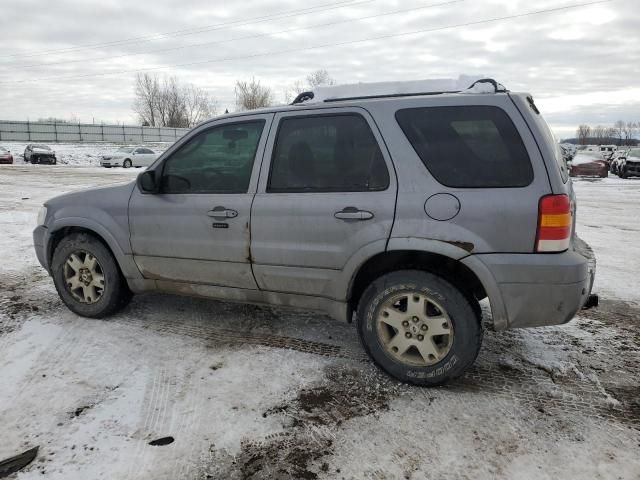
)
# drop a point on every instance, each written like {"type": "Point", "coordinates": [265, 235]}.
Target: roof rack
{"type": "Point", "coordinates": [307, 96]}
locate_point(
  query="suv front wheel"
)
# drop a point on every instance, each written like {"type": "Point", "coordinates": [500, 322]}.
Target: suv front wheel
{"type": "Point", "coordinates": [87, 277]}
{"type": "Point", "coordinates": [418, 327]}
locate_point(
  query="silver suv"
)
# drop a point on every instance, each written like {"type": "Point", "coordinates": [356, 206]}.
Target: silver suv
{"type": "Point", "coordinates": [399, 211]}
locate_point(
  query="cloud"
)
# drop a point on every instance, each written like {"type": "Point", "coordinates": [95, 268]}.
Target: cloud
{"type": "Point", "coordinates": [580, 64]}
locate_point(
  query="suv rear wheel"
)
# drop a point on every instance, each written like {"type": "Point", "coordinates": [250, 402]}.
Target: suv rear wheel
{"type": "Point", "coordinates": [87, 277]}
{"type": "Point", "coordinates": [418, 327]}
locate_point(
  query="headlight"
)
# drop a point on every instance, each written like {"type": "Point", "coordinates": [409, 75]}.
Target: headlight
{"type": "Point", "coordinates": [42, 215]}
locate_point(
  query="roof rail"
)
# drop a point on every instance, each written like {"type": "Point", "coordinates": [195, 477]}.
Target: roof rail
{"type": "Point", "coordinates": [303, 97]}
{"type": "Point", "coordinates": [307, 96]}
{"type": "Point", "coordinates": [498, 88]}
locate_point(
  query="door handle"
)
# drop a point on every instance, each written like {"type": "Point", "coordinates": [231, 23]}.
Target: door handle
{"type": "Point", "coordinates": [352, 213]}
{"type": "Point", "coordinates": [222, 212]}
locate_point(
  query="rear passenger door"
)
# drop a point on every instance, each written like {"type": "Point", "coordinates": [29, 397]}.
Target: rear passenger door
{"type": "Point", "coordinates": [327, 189]}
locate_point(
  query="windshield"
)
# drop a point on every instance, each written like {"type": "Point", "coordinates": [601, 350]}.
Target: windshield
{"type": "Point", "coordinates": [42, 147]}
{"type": "Point", "coordinates": [2, 149]}
{"type": "Point", "coordinates": [125, 150]}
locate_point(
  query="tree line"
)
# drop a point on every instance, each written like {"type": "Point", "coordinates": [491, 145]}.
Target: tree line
{"type": "Point", "coordinates": [166, 102]}
{"type": "Point", "coordinates": [621, 133]}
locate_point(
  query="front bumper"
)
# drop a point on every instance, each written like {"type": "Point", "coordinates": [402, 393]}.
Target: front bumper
{"type": "Point", "coordinates": [633, 168]}
{"type": "Point", "coordinates": [44, 159]}
{"type": "Point", "coordinates": [40, 242]}
{"type": "Point", "coordinates": [541, 289]}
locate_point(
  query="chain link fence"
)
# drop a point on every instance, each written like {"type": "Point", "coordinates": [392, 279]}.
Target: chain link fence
{"type": "Point", "coordinates": [85, 132]}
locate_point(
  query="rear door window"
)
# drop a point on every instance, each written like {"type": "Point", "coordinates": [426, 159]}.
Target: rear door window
{"type": "Point", "coordinates": [468, 147]}
{"type": "Point", "coordinates": [327, 153]}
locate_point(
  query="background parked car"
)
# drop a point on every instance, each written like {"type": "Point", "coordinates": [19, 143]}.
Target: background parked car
{"type": "Point", "coordinates": [629, 165]}
{"type": "Point", "coordinates": [38, 153]}
{"type": "Point", "coordinates": [608, 151]}
{"type": "Point", "coordinates": [130, 157]}
{"type": "Point", "coordinates": [616, 160]}
{"type": "Point", "coordinates": [5, 155]}
{"type": "Point", "coordinates": [589, 164]}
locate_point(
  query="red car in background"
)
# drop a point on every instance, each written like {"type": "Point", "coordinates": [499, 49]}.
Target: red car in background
{"type": "Point", "coordinates": [5, 155]}
{"type": "Point", "coordinates": [589, 164]}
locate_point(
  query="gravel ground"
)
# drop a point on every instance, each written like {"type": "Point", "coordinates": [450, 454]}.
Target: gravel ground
{"type": "Point", "coordinates": [250, 392]}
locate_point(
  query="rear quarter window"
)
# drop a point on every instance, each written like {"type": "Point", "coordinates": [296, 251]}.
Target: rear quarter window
{"type": "Point", "coordinates": [468, 147]}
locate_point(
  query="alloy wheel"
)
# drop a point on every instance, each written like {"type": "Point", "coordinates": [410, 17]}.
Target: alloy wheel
{"type": "Point", "coordinates": [84, 277]}
{"type": "Point", "coordinates": [414, 329]}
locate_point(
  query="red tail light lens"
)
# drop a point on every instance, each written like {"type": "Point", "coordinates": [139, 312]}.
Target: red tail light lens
{"type": "Point", "coordinates": [554, 223]}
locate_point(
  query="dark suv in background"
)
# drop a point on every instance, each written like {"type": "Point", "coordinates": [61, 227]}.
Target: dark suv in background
{"type": "Point", "coordinates": [38, 153]}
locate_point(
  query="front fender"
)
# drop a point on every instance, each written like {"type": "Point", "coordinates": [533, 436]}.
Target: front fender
{"type": "Point", "coordinates": [118, 243]}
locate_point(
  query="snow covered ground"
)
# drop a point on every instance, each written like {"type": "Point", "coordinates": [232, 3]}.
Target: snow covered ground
{"type": "Point", "coordinates": [85, 154]}
{"type": "Point", "coordinates": [255, 393]}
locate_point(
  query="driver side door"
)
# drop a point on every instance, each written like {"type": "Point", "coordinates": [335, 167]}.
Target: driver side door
{"type": "Point", "coordinates": [196, 229]}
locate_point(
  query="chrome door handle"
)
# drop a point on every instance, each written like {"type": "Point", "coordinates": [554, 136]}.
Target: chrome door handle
{"type": "Point", "coordinates": [222, 212]}
{"type": "Point", "coordinates": [352, 213]}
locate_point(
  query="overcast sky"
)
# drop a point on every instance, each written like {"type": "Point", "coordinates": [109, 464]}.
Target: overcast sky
{"type": "Point", "coordinates": [581, 65]}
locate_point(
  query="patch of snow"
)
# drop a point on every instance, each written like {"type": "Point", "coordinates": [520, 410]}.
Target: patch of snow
{"type": "Point", "coordinates": [82, 154]}
{"type": "Point", "coordinates": [461, 84]}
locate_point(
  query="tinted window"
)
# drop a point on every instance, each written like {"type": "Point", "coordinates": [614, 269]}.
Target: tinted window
{"type": "Point", "coordinates": [219, 160]}
{"type": "Point", "coordinates": [468, 146]}
{"type": "Point", "coordinates": [327, 153]}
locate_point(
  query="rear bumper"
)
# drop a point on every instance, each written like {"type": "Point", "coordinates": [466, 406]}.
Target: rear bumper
{"type": "Point", "coordinates": [535, 290]}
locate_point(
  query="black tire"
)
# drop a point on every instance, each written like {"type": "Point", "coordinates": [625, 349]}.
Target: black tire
{"type": "Point", "coordinates": [116, 293]}
{"type": "Point", "coordinates": [127, 163]}
{"type": "Point", "coordinates": [464, 317]}
{"type": "Point", "coordinates": [624, 173]}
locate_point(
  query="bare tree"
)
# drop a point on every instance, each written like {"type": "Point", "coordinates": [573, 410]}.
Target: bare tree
{"type": "Point", "coordinates": [618, 130]}
{"type": "Point", "coordinates": [629, 132]}
{"type": "Point", "coordinates": [167, 103]}
{"type": "Point", "coordinates": [314, 79]}
{"type": "Point", "coordinates": [583, 133]}
{"type": "Point", "coordinates": [598, 133]}
{"type": "Point", "coordinates": [147, 92]}
{"type": "Point", "coordinates": [319, 77]}
{"type": "Point", "coordinates": [199, 106]}
{"type": "Point", "coordinates": [251, 95]}
{"type": "Point", "coordinates": [292, 91]}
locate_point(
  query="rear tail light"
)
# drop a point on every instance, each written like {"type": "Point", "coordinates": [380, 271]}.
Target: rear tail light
{"type": "Point", "coordinates": [554, 223]}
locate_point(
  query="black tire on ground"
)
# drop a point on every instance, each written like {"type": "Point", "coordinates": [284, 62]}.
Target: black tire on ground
{"type": "Point", "coordinates": [623, 173]}
{"type": "Point", "coordinates": [127, 163]}
{"type": "Point", "coordinates": [465, 319]}
{"type": "Point", "coordinates": [54, 162]}
{"type": "Point", "coordinates": [116, 293]}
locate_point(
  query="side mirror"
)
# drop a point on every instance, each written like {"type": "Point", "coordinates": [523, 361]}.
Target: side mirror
{"type": "Point", "coordinates": [147, 182]}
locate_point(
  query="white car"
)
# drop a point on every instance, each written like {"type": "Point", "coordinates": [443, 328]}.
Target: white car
{"type": "Point", "coordinates": [130, 157]}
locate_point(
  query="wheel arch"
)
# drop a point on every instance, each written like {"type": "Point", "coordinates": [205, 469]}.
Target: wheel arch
{"type": "Point", "coordinates": [124, 262]}
{"type": "Point", "coordinates": [450, 262]}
